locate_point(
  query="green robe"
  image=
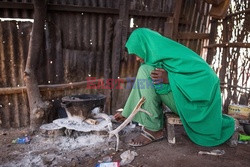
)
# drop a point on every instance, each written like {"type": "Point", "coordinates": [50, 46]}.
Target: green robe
{"type": "Point", "coordinates": [195, 87]}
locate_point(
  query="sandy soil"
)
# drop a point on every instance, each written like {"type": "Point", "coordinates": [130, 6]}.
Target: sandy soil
{"type": "Point", "coordinates": [64, 151]}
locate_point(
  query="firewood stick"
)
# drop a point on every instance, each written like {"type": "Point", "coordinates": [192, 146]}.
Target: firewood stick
{"type": "Point", "coordinates": [127, 121]}
{"type": "Point", "coordinates": [91, 121]}
{"type": "Point", "coordinates": [106, 117]}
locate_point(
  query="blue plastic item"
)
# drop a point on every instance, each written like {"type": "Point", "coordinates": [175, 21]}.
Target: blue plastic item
{"type": "Point", "coordinates": [21, 140]}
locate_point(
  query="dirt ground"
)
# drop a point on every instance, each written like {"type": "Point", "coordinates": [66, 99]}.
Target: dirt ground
{"type": "Point", "coordinates": [50, 152]}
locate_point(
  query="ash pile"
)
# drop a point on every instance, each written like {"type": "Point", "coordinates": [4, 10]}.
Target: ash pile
{"type": "Point", "coordinates": [73, 126]}
{"type": "Point", "coordinates": [85, 118]}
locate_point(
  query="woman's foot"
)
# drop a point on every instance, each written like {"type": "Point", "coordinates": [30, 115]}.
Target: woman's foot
{"type": "Point", "coordinates": [119, 118]}
{"type": "Point", "coordinates": [146, 137]}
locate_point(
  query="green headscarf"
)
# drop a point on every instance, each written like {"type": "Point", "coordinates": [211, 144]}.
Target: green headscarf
{"type": "Point", "coordinates": [195, 86]}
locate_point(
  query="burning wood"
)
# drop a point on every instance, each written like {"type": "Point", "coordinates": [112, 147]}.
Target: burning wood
{"type": "Point", "coordinates": [127, 121]}
{"type": "Point", "coordinates": [91, 121]}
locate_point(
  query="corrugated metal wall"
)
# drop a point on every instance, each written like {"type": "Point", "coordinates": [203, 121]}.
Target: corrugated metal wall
{"type": "Point", "coordinates": [14, 37]}
{"type": "Point", "coordinates": [79, 42]}
{"type": "Point", "coordinates": [194, 19]}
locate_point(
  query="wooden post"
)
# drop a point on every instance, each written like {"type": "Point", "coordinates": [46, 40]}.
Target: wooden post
{"type": "Point", "coordinates": [107, 62]}
{"type": "Point", "coordinates": [172, 120]}
{"type": "Point", "coordinates": [116, 58]}
{"type": "Point", "coordinates": [124, 16]}
{"type": "Point", "coordinates": [224, 65]}
{"type": "Point", "coordinates": [118, 50]}
{"type": "Point", "coordinates": [225, 53]}
{"type": "Point", "coordinates": [177, 11]}
{"type": "Point", "coordinates": [5, 111]}
{"type": "Point", "coordinates": [37, 106]}
{"type": "Point", "coordinates": [212, 51]}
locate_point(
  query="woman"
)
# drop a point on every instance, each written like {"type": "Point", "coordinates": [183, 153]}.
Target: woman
{"type": "Point", "coordinates": [184, 82]}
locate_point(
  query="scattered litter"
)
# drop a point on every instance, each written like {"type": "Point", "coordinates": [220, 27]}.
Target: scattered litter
{"type": "Point", "coordinates": [127, 157]}
{"type": "Point", "coordinates": [21, 140]}
{"type": "Point", "coordinates": [213, 152]}
{"type": "Point", "coordinates": [108, 164]}
{"type": "Point", "coordinates": [242, 142]}
{"type": "Point", "coordinates": [244, 137]}
{"type": "Point", "coordinates": [106, 159]}
{"type": "Point", "coordinates": [3, 133]}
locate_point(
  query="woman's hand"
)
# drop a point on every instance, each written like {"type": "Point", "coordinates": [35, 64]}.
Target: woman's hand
{"type": "Point", "coordinates": [159, 75]}
{"type": "Point", "coordinates": [119, 118]}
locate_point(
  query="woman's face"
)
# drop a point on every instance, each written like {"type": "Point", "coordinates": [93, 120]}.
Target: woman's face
{"type": "Point", "coordinates": [139, 59]}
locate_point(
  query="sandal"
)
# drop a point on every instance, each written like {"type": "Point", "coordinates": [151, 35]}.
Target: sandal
{"type": "Point", "coordinates": [144, 138]}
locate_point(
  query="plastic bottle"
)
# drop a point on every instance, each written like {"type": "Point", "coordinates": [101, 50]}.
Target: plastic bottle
{"type": "Point", "coordinates": [21, 140]}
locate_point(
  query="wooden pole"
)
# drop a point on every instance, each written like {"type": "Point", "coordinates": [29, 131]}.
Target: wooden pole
{"type": "Point", "coordinates": [107, 61]}
{"type": "Point", "coordinates": [37, 106]}
{"type": "Point", "coordinates": [213, 32]}
{"type": "Point", "coordinates": [224, 64]}
{"type": "Point", "coordinates": [124, 16]}
{"type": "Point", "coordinates": [116, 57]}
{"type": "Point", "coordinates": [177, 12]}
{"type": "Point", "coordinates": [55, 87]}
